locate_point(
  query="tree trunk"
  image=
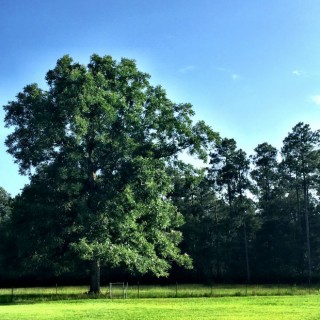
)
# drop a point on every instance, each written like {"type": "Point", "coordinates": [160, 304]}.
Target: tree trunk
{"type": "Point", "coordinates": [307, 231]}
{"type": "Point", "coordinates": [246, 252]}
{"type": "Point", "coordinates": [95, 277]}
{"type": "Point", "coordinates": [218, 270]}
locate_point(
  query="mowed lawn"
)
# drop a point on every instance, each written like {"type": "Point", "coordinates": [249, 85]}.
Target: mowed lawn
{"type": "Point", "coordinates": [227, 308]}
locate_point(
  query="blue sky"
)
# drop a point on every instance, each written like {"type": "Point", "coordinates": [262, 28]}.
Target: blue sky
{"type": "Point", "coordinates": [251, 68]}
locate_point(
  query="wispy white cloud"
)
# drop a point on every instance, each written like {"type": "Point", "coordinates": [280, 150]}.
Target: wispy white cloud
{"type": "Point", "coordinates": [187, 69]}
{"type": "Point", "coordinates": [316, 99]}
{"type": "Point", "coordinates": [297, 73]}
{"type": "Point", "coordinates": [235, 77]}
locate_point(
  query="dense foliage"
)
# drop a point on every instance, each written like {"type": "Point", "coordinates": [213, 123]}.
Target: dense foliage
{"type": "Point", "coordinates": [96, 146]}
{"type": "Point", "coordinates": [107, 189]}
{"type": "Point", "coordinates": [258, 217]}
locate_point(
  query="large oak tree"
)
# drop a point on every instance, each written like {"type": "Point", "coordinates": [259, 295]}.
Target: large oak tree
{"type": "Point", "coordinates": [108, 135]}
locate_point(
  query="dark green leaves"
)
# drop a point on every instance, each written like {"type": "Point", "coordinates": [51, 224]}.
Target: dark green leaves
{"type": "Point", "coordinates": [105, 136]}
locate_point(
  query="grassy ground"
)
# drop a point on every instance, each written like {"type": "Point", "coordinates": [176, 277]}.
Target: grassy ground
{"type": "Point", "coordinates": [225, 308]}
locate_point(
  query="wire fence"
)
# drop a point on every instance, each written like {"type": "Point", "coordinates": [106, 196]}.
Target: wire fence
{"type": "Point", "coordinates": [141, 291]}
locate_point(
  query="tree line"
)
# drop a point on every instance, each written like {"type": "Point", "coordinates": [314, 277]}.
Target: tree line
{"type": "Point", "coordinates": [254, 218]}
{"type": "Point", "coordinates": [108, 192]}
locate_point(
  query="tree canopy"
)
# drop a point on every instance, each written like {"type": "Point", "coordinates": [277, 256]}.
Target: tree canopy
{"type": "Point", "coordinates": [105, 136]}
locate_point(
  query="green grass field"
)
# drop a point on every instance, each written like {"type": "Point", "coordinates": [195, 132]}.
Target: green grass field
{"type": "Point", "coordinates": [163, 302]}
{"type": "Point", "coordinates": [226, 308]}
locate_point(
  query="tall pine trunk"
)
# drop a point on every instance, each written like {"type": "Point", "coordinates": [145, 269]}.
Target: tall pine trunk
{"type": "Point", "coordinates": [246, 252]}
{"type": "Point", "coordinates": [95, 277]}
{"type": "Point", "coordinates": [305, 191]}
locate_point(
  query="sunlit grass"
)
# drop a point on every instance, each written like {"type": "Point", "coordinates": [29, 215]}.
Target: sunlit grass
{"type": "Point", "coordinates": [226, 308]}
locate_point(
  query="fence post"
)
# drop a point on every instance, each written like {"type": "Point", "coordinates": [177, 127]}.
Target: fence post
{"type": "Point", "coordinates": [176, 289]}
{"type": "Point", "coordinates": [12, 294]}
{"type": "Point", "coordinates": [138, 290]}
